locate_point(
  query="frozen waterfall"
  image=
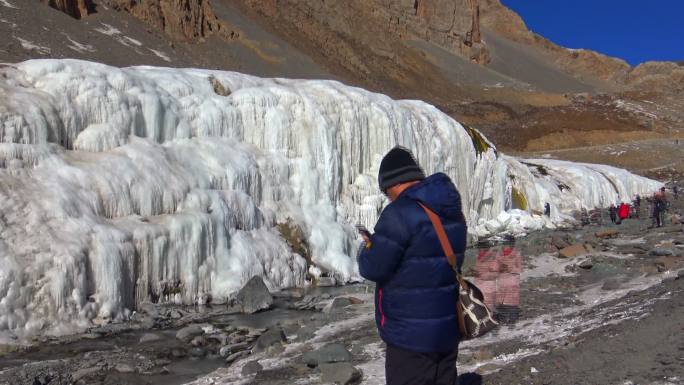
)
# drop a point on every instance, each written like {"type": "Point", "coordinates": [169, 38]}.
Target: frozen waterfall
{"type": "Point", "coordinates": [125, 185]}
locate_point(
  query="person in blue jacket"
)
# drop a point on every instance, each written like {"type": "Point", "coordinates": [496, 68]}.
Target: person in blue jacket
{"type": "Point", "coordinates": [416, 288]}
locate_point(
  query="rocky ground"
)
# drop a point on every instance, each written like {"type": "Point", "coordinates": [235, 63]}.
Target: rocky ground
{"type": "Point", "coordinates": [599, 304]}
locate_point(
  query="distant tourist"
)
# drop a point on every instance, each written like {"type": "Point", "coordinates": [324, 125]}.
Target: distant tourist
{"type": "Point", "coordinates": [659, 207]}
{"type": "Point", "coordinates": [623, 212]}
{"type": "Point", "coordinates": [612, 210]}
{"type": "Point", "coordinates": [416, 288]}
{"type": "Point", "coordinates": [547, 209]}
{"type": "Point", "coordinates": [584, 216]}
{"type": "Point", "coordinates": [675, 191]}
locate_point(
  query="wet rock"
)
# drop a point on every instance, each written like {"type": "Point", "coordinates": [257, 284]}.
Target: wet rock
{"type": "Point", "coordinates": [337, 303]}
{"type": "Point", "coordinates": [680, 274]}
{"type": "Point", "coordinates": [198, 352]}
{"type": "Point", "coordinates": [271, 337]}
{"type": "Point", "coordinates": [355, 301]}
{"type": "Point", "coordinates": [149, 337]}
{"type": "Point", "coordinates": [254, 296]}
{"type": "Point", "coordinates": [124, 368]}
{"type": "Point", "coordinates": [218, 339]}
{"type": "Point", "coordinates": [189, 332]}
{"type": "Point", "coordinates": [251, 367]}
{"type": "Point", "coordinates": [586, 264]}
{"type": "Point", "coordinates": [236, 356]}
{"type": "Point", "coordinates": [227, 350]}
{"type": "Point", "coordinates": [573, 251]}
{"type": "Point", "coordinates": [609, 233]}
{"type": "Point", "coordinates": [611, 284]}
{"type": "Point", "coordinates": [326, 282]}
{"type": "Point", "coordinates": [330, 353]}
{"type": "Point", "coordinates": [342, 373]}
{"type": "Point", "coordinates": [660, 252]}
{"type": "Point", "coordinates": [236, 338]}
{"type": "Point", "coordinates": [164, 370]}
{"type": "Point", "coordinates": [198, 341]}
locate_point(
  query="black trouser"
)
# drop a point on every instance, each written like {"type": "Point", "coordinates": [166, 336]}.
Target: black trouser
{"type": "Point", "coordinates": [403, 367]}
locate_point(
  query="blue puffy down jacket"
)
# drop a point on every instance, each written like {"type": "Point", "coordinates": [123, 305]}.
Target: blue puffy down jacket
{"type": "Point", "coordinates": [416, 291]}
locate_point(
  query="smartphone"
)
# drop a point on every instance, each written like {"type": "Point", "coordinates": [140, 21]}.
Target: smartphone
{"type": "Point", "coordinates": [363, 231]}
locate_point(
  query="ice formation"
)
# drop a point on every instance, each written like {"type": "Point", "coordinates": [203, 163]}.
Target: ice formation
{"type": "Point", "coordinates": [119, 186]}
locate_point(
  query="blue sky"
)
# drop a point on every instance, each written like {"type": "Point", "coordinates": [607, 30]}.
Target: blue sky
{"type": "Point", "coordinates": [636, 31]}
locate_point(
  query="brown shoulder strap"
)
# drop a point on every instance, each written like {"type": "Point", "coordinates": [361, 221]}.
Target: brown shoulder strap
{"type": "Point", "coordinates": [441, 234]}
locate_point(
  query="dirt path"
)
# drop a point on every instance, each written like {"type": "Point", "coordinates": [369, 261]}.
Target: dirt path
{"type": "Point", "coordinates": [648, 350]}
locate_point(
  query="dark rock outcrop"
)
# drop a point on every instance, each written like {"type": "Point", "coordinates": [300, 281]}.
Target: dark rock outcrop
{"type": "Point", "coordinates": [77, 9]}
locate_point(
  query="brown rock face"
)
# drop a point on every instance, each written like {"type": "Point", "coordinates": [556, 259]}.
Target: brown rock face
{"type": "Point", "coordinates": [74, 8]}
{"type": "Point", "coordinates": [183, 20]}
{"type": "Point", "coordinates": [664, 77]}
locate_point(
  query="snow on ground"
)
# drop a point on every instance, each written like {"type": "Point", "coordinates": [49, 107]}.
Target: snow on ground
{"type": "Point", "coordinates": [79, 47]}
{"type": "Point", "coordinates": [25, 44]}
{"type": "Point", "coordinates": [127, 185]}
{"type": "Point", "coordinates": [161, 54]}
{"type": "Point", "coordinates": [7, 4]}
{"type": "Point", "coordinates": [114, 32]}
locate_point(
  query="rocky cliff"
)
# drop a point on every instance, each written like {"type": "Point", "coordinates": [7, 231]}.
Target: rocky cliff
{"type": "Point", "coordinates": [183, 20]}
{"type": "Point", "coordinates": [74, 8]}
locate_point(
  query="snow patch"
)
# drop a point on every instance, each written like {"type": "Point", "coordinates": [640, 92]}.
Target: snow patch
{"type": "Point", "coordinates": [161, 55]}
{"type": "Point", "coordinates": [114, 32]}
{"type": "Point", "coordinates": [7, 4]}
{"type": "Point", "coordinates": [78, 47]}
{"type": "Point", "coordinates": [32, 46]}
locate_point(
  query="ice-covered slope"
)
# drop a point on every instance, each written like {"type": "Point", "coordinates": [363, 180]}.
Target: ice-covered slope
{"type": "Point", "coordinates": [119, 186]}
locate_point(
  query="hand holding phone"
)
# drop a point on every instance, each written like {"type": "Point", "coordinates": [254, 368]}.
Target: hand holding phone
{"type": "Point", "coordinates": [364, 232]}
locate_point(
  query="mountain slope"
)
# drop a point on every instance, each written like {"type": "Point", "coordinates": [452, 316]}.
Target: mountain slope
{"type": "Point", "coordinates": [474, 59]}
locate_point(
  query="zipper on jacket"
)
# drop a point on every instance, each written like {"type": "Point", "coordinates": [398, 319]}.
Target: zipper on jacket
{"type": "Point", "coordinates": [382, 313]}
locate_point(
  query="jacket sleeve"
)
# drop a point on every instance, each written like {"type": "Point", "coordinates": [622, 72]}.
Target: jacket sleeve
{"type": "Point", "coordinates": [379, 259]}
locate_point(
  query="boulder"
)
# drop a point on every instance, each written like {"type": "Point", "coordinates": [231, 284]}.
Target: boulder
{"type": "Point", "coordinates": [586, 264]}
{"type": "Point", "coordinates": [342, 373]}
{"type": "Point", "coordinates": [254, 296]}
{"type": "Point", "coordinates": [661, 252]}
{"type": "Point", "coordinates": [572, 251]}
{"type": "Point", "coordinates": [330, 353]}
{"type": "Point", "coordinates": [149, 337]}
{"type": "Point", "coordinates": [337, 303]}
{"type": "Point", "coordinates": [236, 356]}
{"type": "Point", "coordinates": [234, 348]}
{"type": "Point", "coordinates": [189, 332]}
{"type": "Point", "coordinates": [355, 301]}
{"type": "Point", "coordinates": [251, 367]}
{"type": "Point", "coordinates": [271, 337]}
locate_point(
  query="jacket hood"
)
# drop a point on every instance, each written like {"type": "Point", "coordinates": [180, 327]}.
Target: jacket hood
{"type": "Point", "coordinates": [439, 194]}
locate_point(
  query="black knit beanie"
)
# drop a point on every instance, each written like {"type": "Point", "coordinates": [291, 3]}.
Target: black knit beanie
{"type": "Point", "coordinates": [398, 166]}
